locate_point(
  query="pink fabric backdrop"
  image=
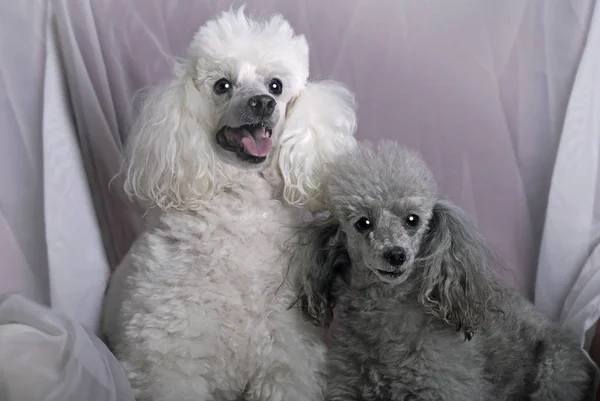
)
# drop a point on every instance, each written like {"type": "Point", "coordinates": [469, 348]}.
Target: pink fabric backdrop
{"type": "Point", "coordinates": [479, 87]}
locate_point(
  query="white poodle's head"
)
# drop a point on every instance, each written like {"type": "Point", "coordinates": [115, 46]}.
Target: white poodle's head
{"type": "Point", "coordinates": [240, 103]}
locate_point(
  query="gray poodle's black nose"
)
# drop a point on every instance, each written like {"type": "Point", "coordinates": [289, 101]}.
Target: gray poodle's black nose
{"type": "Point", "coordinates": [395, 256]}
{"type": "Point", "coordinates": [262, 105]}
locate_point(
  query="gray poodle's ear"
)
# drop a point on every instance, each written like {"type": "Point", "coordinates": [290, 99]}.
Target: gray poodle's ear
{"type": "Point", "coordinates": [317, 260]}
{"type": "Point", "coordinates": [454, 263]}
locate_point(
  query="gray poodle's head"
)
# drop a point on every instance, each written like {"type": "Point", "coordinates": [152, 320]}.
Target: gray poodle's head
{"type": "Point", "coordinates": [383, 198]}
{"type": "Point", "coordinates": [388, 225]}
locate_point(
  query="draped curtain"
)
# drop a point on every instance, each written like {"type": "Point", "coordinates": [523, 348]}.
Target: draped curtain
{"type": "Point", "coordinates": [500, 97]}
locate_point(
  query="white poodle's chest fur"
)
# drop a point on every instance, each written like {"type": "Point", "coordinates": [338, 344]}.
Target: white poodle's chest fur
{"type": "Point", "coordinates": [200, 309]}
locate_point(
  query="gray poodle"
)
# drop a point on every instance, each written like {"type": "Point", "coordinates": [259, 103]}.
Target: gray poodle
{"type": "Point", "coordinates": [421, 314]}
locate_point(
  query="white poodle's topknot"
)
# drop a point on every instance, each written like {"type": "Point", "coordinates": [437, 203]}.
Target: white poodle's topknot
{"type": "Point", "coordinates": [235, 35]}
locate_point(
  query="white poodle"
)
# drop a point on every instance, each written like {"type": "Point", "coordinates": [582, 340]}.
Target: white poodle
{"type": "Point", "coordinates": [226, 153]}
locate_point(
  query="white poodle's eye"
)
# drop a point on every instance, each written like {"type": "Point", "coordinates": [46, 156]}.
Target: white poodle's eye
{"type": "Point", "coordinates": [275, 86]}
{"type": "Point", "coordinates": [363, 224]}
{"type": "Point", "coordinates": [222, 86]}
{"type": "Point", "coordinates": [412, 220]}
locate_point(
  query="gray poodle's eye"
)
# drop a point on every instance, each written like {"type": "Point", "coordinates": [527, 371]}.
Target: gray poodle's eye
{"type": "Point", "coordinates": [412, 220]}
{"type": "Point", "coordinates": [275, 86]}
{"type": "Point", "coordinates": [363, 224]}
{"type": "Point", "coordinates": [222, 86]}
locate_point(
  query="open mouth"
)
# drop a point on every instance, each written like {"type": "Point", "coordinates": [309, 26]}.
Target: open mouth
{"type": "Point", "coordinates": [250, 143]}
{"type": "Point", "coordinates": [388, 274]}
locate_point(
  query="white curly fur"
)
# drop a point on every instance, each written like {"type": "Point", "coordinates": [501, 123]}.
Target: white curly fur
{"type": "Point", "coordinates": [198, 309]}
{"type": "Point", "coordinates": [170, 160]}
{"type": "Point", "coordinates": [305, 152]}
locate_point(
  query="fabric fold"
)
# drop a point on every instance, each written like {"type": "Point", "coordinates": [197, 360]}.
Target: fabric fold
{"type": "Point", "coordinates": [47, 357]}
{"type": "Point", "coordinates": [568, 278]}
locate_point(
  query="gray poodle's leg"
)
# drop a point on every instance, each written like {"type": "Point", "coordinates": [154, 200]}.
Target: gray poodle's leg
{"type": "Point", "coordinates": [352, 381]}
{"type": "Point", "coordinates": [340, 392]}
{"type": "Point", "coordinates": [346, 380]}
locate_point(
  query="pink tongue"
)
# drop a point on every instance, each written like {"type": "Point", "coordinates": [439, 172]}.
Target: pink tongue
{"type": "Point", "coordinates": [256, 143]}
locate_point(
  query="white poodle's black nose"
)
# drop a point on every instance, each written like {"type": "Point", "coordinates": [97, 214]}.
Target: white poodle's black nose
{"type": "Point", "coordinates": [262, 105]}
{"type": "Point", "coordinates": [395, 256]}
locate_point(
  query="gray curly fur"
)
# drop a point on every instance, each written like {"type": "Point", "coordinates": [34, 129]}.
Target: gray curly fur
{"type": "Point", "coordinates": [437, 327]}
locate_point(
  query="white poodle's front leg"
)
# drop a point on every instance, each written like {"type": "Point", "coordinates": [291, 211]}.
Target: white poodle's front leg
{"type": "Point", "coordinates": [292, 370]}
{"type": "Point", "coordinates": [163, 384]}
{"type": "Point", "coordinates": [285, 382]}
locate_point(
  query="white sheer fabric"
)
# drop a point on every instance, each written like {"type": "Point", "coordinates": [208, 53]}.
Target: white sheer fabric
{"type": "Point", "coordinates": [568, 279]}
{"type": "Point", "coordinates": [481, 88]}
{"type": "Point", "coordinates": [50, 247]}
{"type": "Point", "coordinates": [23, 261]}
{"type": "Point", "coordinates": [79, 268]}
{"type": "Point", "coordinates": [47, 357]}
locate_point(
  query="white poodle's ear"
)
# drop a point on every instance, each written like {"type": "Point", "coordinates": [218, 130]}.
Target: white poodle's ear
{"type": "Point", "coordinates": [169, 162]}
{"type": "Point", "coordinates": [319, 127]}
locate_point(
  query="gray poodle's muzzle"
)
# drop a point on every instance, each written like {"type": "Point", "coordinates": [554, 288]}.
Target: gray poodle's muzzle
{"type": "Point", "coordinates": [395, 258]}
